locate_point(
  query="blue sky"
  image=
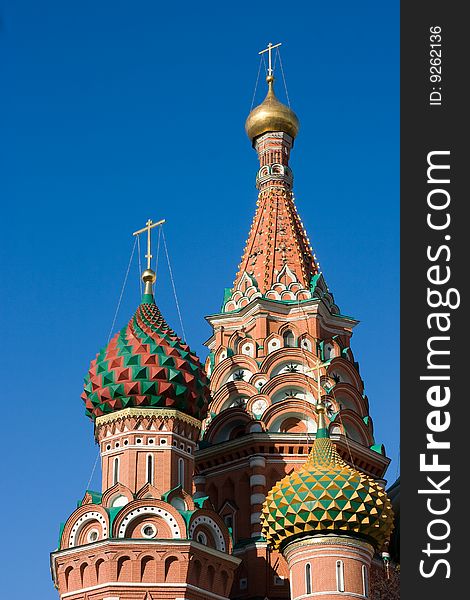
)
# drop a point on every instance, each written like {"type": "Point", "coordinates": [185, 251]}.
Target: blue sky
{"type": "Point", "coordinates": [114, 112]}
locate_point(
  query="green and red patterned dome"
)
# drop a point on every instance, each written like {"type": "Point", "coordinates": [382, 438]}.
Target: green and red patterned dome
{"type": "Point", "coordinates": [146, 365]}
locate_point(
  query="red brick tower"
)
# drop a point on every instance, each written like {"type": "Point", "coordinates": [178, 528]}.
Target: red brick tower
{"type": "Point", "coordinates": [279, 345]}
{"type": "Point", "coordinates": [144, 536]}
{"type": "Point", "coordinates": [328, 519]}
{"type": "Point", "coordinates": [204, 484]}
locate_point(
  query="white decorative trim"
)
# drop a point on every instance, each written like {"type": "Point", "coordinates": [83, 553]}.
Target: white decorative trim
{"type": "Point", "coordinates": [155, 542]}
{"type": "Point", "coordinates": [257, 499]}
{"type": "Point", "coordinates": [253, 545]}
{"type": "Point", "coordinates": [257, 480]}
{"type": "Point", "coordinates": [257, 461]}
{"type": "Point", "coordinates": [153, 447]}
{"type": "Point", "coordinates": [365, 580]}
{"type": "Point", "coordinates": [79, 523]}
{"type": "Point", "coordinates": [340, 576]}
{"type": "Point", "coordinates": [334, 593]}
{"type": "Point", "coordinates": [153, 413]}
{"type": "Point", "coordinates": [150, 510]}
{"type": "Point", "coordinates": [122, 584]}
{"type": "Point", "coordinates": [255, 518]}
{"type": "Point", "coordinates": [219, 538]}
{"type": "Point", "coordinates": [360, 558]}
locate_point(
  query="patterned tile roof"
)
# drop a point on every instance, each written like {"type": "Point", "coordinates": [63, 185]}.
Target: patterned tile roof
{"type": "Point", "coordinates": [146, 364]}
{"type": "Point", "coordinates": [326, 495]}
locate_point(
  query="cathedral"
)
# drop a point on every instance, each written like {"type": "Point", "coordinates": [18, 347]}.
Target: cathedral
{"type": "Point", "coordinates": [255, 475]}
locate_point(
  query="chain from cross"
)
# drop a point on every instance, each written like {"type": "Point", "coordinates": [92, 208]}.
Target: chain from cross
{"type": "Point", "coordinates": [320, 403]}
{"type": "Point", "coordinates": [269, 50]}
{"type": "Point", "coordinates": [148, 227]}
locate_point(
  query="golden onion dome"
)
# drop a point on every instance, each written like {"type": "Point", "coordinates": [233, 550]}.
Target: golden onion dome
{"type": "Point", "coordinates": [271, 115]}
{"type": "Point", "coordinates": [326, 496]}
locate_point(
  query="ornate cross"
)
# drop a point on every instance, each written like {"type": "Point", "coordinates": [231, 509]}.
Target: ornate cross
{"type": "Point", "coordinates": [317, 368]}
{"type": "Point", "coordinates": [319, 386]}
{"type": "Point", "coordinates": [269, 50]}
{"type": "Point", "coordinates": [148, 226]}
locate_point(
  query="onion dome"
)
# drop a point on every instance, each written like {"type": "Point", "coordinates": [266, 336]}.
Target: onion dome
{"type": "Point", "coordinates": [146, 365]}
{"type": "Point", "coordinates": [326, 496]}
{"type": "Point", "coordinates": [271, 115]}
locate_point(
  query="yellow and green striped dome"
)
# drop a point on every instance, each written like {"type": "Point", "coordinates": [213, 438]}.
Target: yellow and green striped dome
{"type": "Point", "coordinates": [326, 495]}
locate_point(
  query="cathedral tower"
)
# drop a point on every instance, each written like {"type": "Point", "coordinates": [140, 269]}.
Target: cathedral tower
{"type": "Point", "coordinates": [328, 520]}
{"type": "Point", "coordinates": [279, 346]}
{"type": "Point", "coordinates": [257, 476]}
{"type": "Point", "coordinates": [144, 535]}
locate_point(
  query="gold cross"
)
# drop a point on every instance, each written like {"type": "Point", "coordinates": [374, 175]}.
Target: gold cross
{"type": "Point", "coordinates": [269, 50]}
{"type": "Point", "coordinates": [319, 386]}
{"type": "Point", "coordinates": [148, 226]}
{"type": "Point", "coordinates": [317, 368]}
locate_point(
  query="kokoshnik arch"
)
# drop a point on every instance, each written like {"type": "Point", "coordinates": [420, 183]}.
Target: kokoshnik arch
{"type": "Point", "coordinates": [257, 475]}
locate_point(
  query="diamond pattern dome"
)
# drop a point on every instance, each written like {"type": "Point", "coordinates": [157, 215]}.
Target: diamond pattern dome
{"type": "Point", "coordinates": [326, 495]}
{"type": "Point", "coordinates": [146, 364]}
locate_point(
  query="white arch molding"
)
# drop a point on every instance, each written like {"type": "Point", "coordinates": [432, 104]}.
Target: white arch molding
{"type": "Point", "coordinates": [154, 511]}
{"type": "Point", "coordinates": [219, 538]}
{"type": "Point", "coordinates": [81, 521]}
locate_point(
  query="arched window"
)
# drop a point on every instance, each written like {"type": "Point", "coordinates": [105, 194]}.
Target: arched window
{"type": "Point", "coordinates": [228, 520]}
{"type": "Point", "coordinates": [288, 338]}
{"type": "Point", "coordinates": [210, 576]}
{"type": "Point", "coordinates": [202, 538]}
{"type": "Point", "coordinates": [124, 568]}
{"type": "Point", "coordinates": [197, 568]}
{"type": "Point", "coordinates": [147, 569]}
{"type": "Point", "coordinates": [149, 468]}
{"type": "Point", "coordinates": [308, 578]}
{"type": "Point", "coordinates": [83, 568]}
{"type": "Point", "coordinates": [68, 571]}
{"type": "Point", "coordinates": [99, 566]}
{"type": "Point", "coordinates": [224, 580]}
{"type": "Point", "coordinates": [171, 568]}
{"type": "Point", "coordinates": [328, 351]}
{"type": "Point", "coordinates": [181, 472]}
{"type": "Point", "coordinates": [340, 576]}
{"type": "Point", "coordinates": [365, 581]}
{"type": "Point", "coordinates": [115, 470]}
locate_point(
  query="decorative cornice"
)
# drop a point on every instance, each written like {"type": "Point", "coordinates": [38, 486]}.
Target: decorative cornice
{"type": "Point", "coordinates": [153, 413]}
{"type": "Point", "coordinates": [355, 448]}
{"type": "Point", "coordinates": [329, 540]}
{"type": "Point", "coordinates": [265, 306]}
{"type": "Point", "coordinates": [145, 544]}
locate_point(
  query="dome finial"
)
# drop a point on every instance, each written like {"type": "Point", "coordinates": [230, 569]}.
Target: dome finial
{"type": "Point", "coordinates": [148, 276]}
{"type": "Point", "coordinates": [271, 114]}
{"type": "Point", "coordinates": [269, 50]}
